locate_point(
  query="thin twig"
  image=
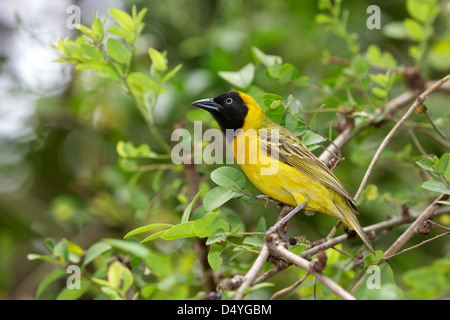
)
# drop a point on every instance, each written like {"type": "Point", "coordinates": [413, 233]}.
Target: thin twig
{"type": "Point", "coordinates": [415, 246]}
{"type": "Point", "coordinates": [278, 249]}
{"type": "Point", "coordinates": [420, 99]}
{"type": "Point", "coordinates": [411, 231]}
{"type": "Point", "coordinates": [252, 273]}
{"type": "Point", "coordinates": [290, 288]}
{"type": "Point", "coordinates": [389, 110]}
{"type": "Point", "coordinates": [388, 224]}
{"type": "Point", "coordinates": [434, 126]}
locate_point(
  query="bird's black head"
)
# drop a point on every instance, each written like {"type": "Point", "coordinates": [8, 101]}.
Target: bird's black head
{"type": "Point", "coordinates": [228, 109]}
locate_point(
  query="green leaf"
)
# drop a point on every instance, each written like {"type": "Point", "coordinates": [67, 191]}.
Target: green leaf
{"type": "Point", "coordinates": [49, 243]}
{"type": "Point", "coordinates": [379, 92]}
{"type": "Point", "coordinates": [91, 53]}
{"type": "Point", "coordinates": [159, 263]}
{"type": "Point", "coordinates": [371, 192]}
{"type": "Point", "coordinates": [182, 230]}
{"type": "Point", "coordinates": [128, 246]}
{"type": "Point", "coordinates": [214, 258]}
{"type": "Point", "coordinates": [98, 29]}
{"type": "Point", "coordinates": [242, 78]}
{"type": "Point", "coordinates": [395, 30]}
{"type": "Point", "coordinates": [128, 150]}
{"type": "Point", "coordinates": [229, 177]}
{"type": "Point", "coordinates": [117, 50]}
{"type": "Point", "coordinates": [288, 72]}
{"type": "Point", "coordinates": [141, 83]}
{"type": "Point", "coordinates": [140, 16]}
{"type": "Point", "coordinates": [215, 237]}
{"type": "Point", "coordinates": [171, 73]}
{"type": "Point", "coordinates": [414, 29]}
{"type": "Point", "coordinates": [217, 197]}
{"type": "Point", "coordinates": [120, 277]}
{"type": "Point", "coordinates": [443, 166]}
{"type": "Point", "coordinates": [426, 164]}
{"type": "Point", "coordinates": [33, 256]}
{"type": "Point", "coordinates": [311, 138]}
{"type": "Point", "coordinates": [254, 241]}
{"type": "Point", "coordinates": [274, 71]}
{"type": "Point", "coordinates": [85, 30]}
{"type": "Point", "coordinates": [206, 226]}
{"type": "Point", "coordinates": [74, 294]}
{"type": "Point", "coordinates": [111, 293]}
{"type": "Point", "coordinates": [147, 228]}
{"type": "Point", "coordinates": [158, 59]}
{"type": "Point", "coordinates": [266, 59]}
{"type": "Point", "coordinates": [188, 210]}
{"type": "Point", "coordinates": [439, 55]}
{"type": "Point", "coordinates": [50, 278]}
{"type": "Point", "coordinates": [381, 79]}
{"type": "Point", "coordinates": [104, 68]}
{"type": "Point", "coordinates": [300, 81]}
{"type": "Point", "coordinates": [276, 115]}
{"type": "Point", "coordinates": [61, 251]}
{"type": "Point", "coordinates": [154, 236]}
{"type": "Point", "coordinates": [290, 123]}
{"type": "Point", "coordinates": [75, 252]}
{"type": "Point", "coordinates": [324, 18]}
{"type": "Point", "coordinates": [94, 251]}
{"type": "Point", "coordinates": [436, 186]}
{"type": "Point", "coordinates": [418, 9]}
{"type": "Point", "coordinates": [123, 18]}
{"type": "Point", "coordinates": [122, 32]}
{"type": "Point", "coordinates": [269, 98]}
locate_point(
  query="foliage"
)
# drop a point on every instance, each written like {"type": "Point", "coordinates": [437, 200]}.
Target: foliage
{"type": "Point", "coordinates": [146, 216]}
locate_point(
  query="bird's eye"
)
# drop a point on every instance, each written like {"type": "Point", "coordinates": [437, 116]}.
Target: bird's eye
{"type": "Point", "coordinates": [229, 101]}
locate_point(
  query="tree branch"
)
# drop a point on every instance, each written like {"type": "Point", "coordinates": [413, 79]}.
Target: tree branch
{"type": "Point", "coordinates": [277, 248]}
{"type": "Point", "coordinates": [411, 231]}
{"type": "Point", "coordinates": [388, 224]}
{"type": "Point", "coordinates": [390, 109]}
{"type": "Point", "coordinates": [420, 99]}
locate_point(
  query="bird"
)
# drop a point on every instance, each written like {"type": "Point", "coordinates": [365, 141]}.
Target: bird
{"type": "Point", "coordinates": [278, 163]}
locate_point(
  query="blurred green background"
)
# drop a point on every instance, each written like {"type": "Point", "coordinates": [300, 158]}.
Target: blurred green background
{"type": "Point", "coordinates": [59, 170]}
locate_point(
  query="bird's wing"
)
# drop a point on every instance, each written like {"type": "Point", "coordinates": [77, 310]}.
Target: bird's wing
{"type": "Point", "coordinates": [293, 152]}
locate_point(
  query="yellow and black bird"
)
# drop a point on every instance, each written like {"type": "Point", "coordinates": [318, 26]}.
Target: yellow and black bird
{"type": "Point", "coordinates": [282, 168]}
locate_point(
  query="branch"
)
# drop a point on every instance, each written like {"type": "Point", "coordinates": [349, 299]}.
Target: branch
{"type": "Point", "coordinates": [200, 247]}
{"type": "Point", "coordinates": [252, 273]}
{"type": "Point", "coordinates": [411, 231]}
{"type": "Point", "coordinates": [278, 249]}
{"type": "Point", "coordinates": [420, 99]}
{"type": "Point", "coordinates": [388, 224]}
{"type": "Point", "coordinates": [389, 109]}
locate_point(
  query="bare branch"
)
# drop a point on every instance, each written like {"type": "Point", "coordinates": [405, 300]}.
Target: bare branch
{"type": "Point", "coordinates": [252, 273]}
{"type": "Point", "coordinates": [388, 224]}
{"type": "Point", "coordinates": [411, 231]}
{"type": "Point", "coordinates": [420, 99]}
{"type": "Point", "coordinates": [389, 109]}
{"type": "Point", "coordinates": [290, 288]}
{"type": "Point", "coordinates": [277, 248]}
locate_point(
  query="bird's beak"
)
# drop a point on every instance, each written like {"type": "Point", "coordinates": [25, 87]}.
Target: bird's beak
{"type": "Point", "coordinates": [207, 104]}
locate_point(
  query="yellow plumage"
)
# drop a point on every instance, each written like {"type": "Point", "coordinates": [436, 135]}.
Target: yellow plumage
{"type": "Point", "coordinates": [278, 164]}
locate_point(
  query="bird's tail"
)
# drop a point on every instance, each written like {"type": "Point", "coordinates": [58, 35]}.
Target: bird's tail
{"type": "Point", "coordinates": [351, 220]}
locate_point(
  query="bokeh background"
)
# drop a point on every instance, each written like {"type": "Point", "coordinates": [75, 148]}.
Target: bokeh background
{"type": "Point", "coordinates": [59, 170]}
